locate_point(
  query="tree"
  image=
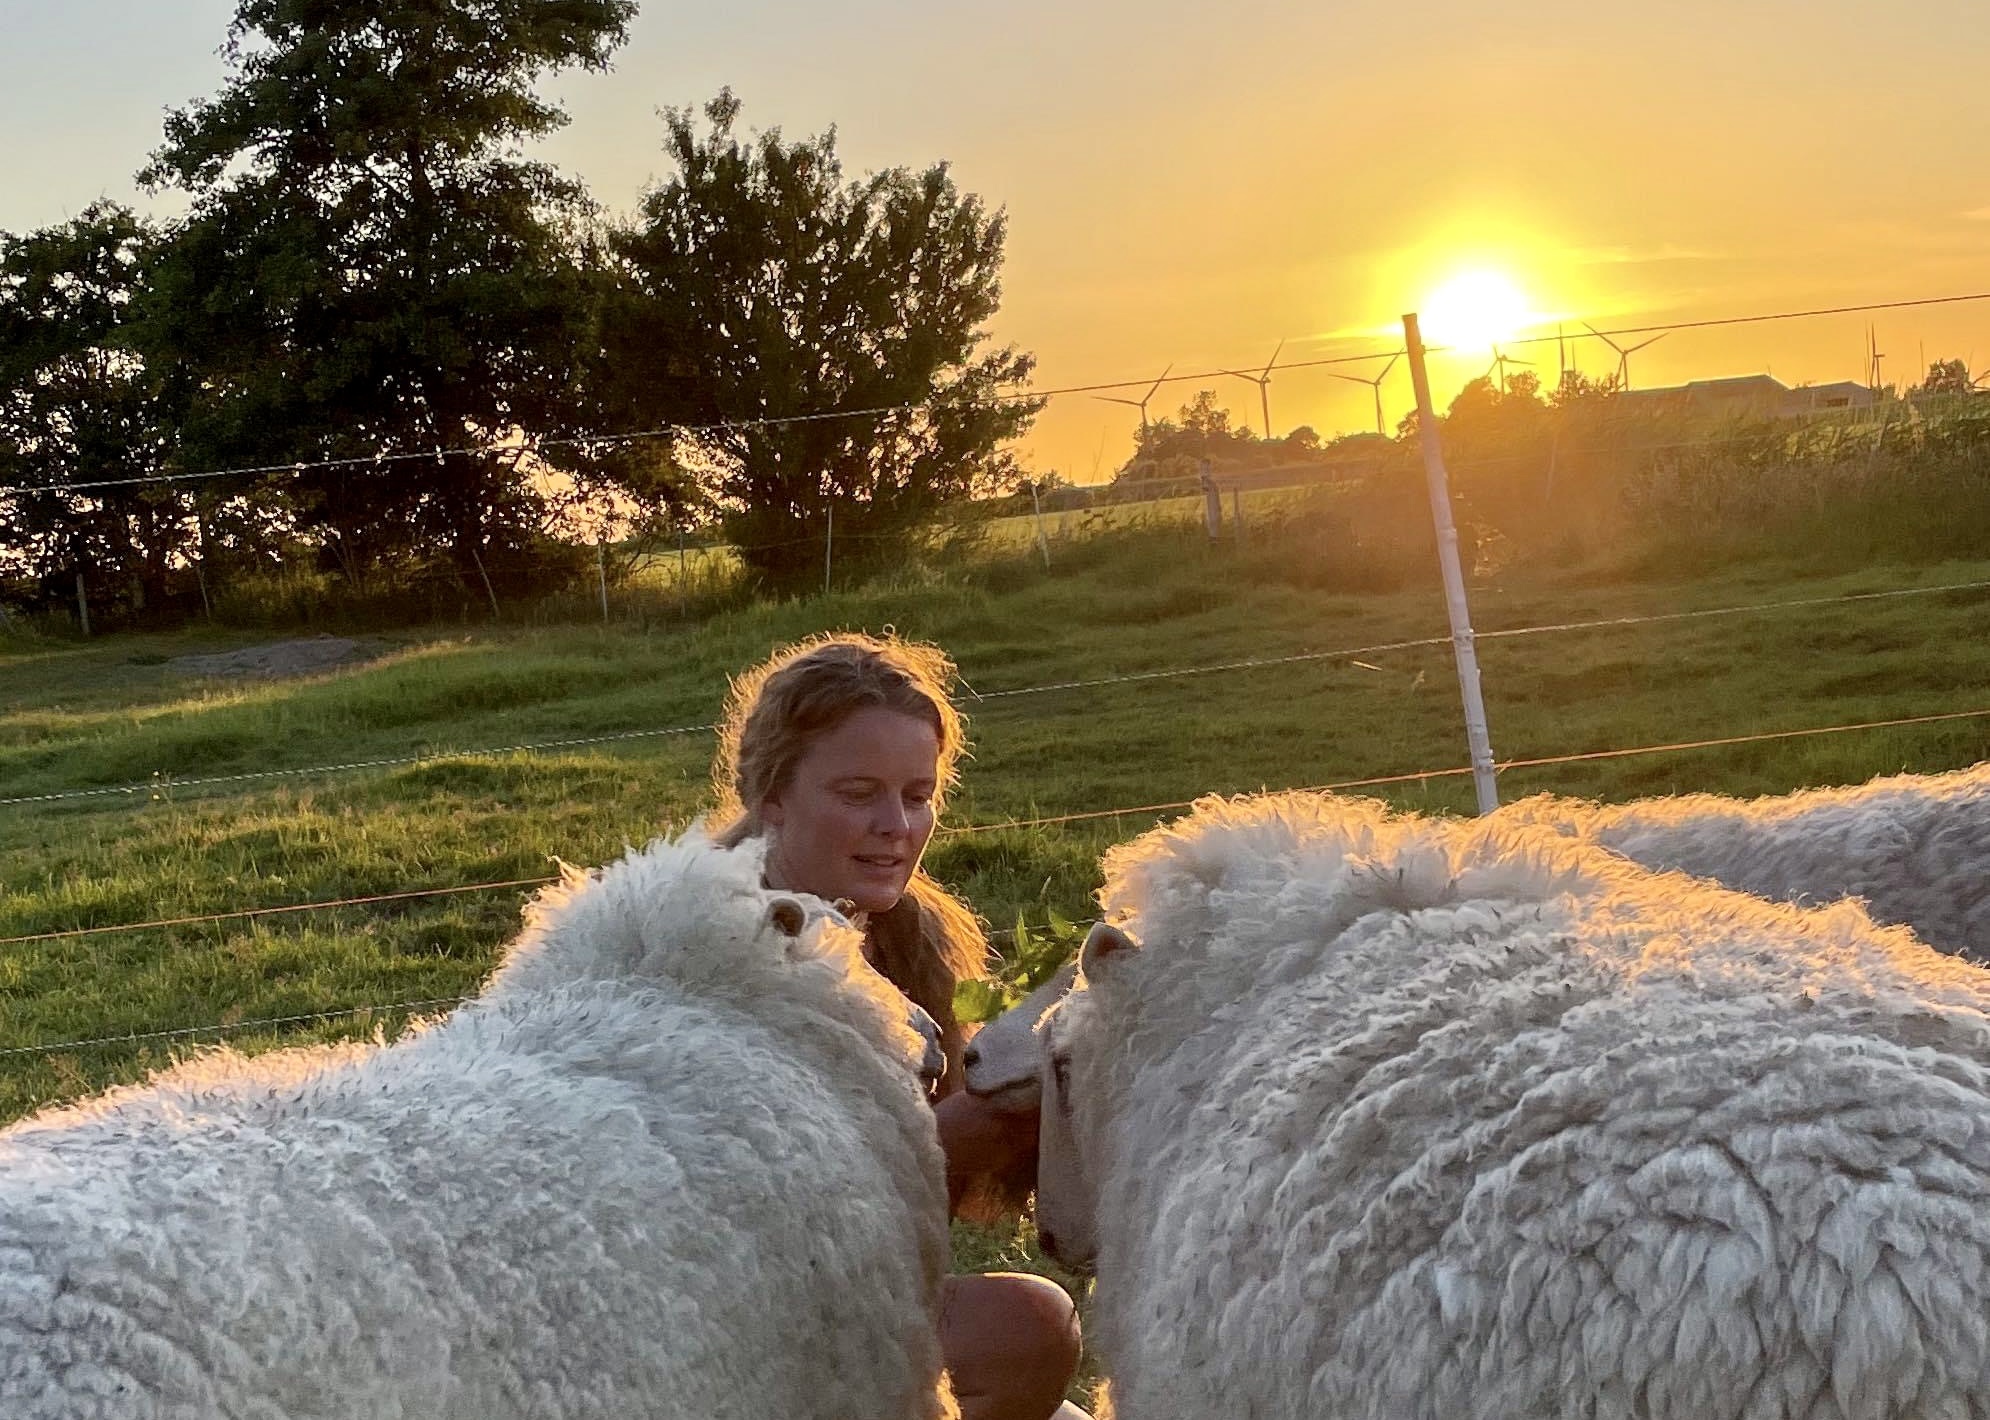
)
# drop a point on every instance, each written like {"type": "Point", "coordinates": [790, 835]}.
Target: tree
{"type": "Point", "coordinates": [1577, 388]}
{"type": "Point", "coordinates": [1946, 377]}
{"type": "Point", "coordinates": [371, 270]}
{"type": "Point", "coordinates": [758, 285]}
{"type": "Point", "coordinates": [1201, 429]}
{"type": "Point", "coordinates": [79, 403]}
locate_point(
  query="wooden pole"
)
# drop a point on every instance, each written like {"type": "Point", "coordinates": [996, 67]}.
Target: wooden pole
{"type": "Point", "coordinates": [1463, 648]}
{"type": "Point", "coordinates": [489, 590]}
{"type": "Point", "coordinates": [601, 571]}
{"type": "Point", "coordinates": [1042, 542]}
{"type": "Point", "coordinates": [82, 602]}
{"type": "Point", "coordinates": [683, 577]}
{"type": "Point", "coordinates": [200, 564]}
{"type": "Point", "coordinates": [828, 547]}
{"type": "Point", "coordinates": [1212, 502]}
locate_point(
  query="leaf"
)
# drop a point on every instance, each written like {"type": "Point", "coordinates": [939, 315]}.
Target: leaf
{"type": "Point", "coordinates": [978, 1002]}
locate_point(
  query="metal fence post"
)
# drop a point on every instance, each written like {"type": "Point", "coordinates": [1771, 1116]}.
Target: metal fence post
{"type": "Point", "coordinates": [1042, 542]}
{"type": "Point", "coordinates": [1463, 650]}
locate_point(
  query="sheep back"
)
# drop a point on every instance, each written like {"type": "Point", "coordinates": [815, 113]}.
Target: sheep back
{"type": "Point", "coordinates": [1403, 1119]}
{"type": "Point", "coordinates": [706, 1185]}
{"type": "Point", "coordinates": [1914, 847]}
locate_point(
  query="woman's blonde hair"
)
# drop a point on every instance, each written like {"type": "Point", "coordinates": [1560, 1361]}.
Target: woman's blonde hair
{"type": "Point", "coordinates": [779, 708]}
{"type": "Point", "coordinates": [930, 941]}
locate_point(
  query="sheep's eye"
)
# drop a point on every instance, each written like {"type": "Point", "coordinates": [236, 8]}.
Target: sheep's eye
{"type": "Point", "coordinates": [1060, 1070]}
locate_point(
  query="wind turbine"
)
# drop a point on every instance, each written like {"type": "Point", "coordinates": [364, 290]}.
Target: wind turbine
{"type": "Point", "coordinates": [1624, 352]}
{"type": "Point", "coordinates": [1375, 384]}
{"type": "Point", "coordinates": [1140, 403]}
{"type": "Point", "coordinates": [1873, 356]}
{"type": "Point", "coordinates": [1499, 363]}
{"type": "Point", "coordinates": [1263, 382]}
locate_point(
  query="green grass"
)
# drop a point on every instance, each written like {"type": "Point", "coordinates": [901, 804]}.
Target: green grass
{"type": "Point", "coordinates": [109, 713]}
{"type": "Point", "coordinates": [1152, 598]}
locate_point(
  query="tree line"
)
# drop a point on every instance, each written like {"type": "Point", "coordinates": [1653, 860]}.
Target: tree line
{"type": "Point", "coordinates": [414, 350]}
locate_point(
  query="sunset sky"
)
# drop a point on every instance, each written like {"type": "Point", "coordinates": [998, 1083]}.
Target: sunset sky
{"type": "Point", "coordinates": [1192, 186]}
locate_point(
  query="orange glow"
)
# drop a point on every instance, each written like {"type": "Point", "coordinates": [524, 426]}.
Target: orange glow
{"type": "Point", "coordinates": [1474, 310]}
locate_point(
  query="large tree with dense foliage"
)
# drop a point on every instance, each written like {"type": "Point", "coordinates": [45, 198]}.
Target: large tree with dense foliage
{"type": "Point", "coordinates": [371, 269]}
{"type": "Point", "coordinates": [759, 285]}
{"type": "Point", "coordinates": [80, 403]}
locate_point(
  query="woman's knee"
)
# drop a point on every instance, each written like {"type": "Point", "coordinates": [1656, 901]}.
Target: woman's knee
{"type": "Point", "coordinates": [1011, 1343]}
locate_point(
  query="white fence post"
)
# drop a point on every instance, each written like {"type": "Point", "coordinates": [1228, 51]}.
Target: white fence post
{"type": "Point", "coordinates": [1463, 649]}
{"type": "Point", "coordinates": [1042, 542]}
{"type": "Point", "coordinates": [828, 547]}
{"type": "Point", "coordinates": [1212, 501]}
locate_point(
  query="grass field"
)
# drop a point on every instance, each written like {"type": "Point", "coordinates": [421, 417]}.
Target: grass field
{"type": "Point", "coordinates": [108, 713]}
{"type": "Point", "coordinates": [1150, 601]}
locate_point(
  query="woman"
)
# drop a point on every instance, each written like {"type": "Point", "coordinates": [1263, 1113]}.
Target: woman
{"type": "Point", "coordinates": [839, 751]}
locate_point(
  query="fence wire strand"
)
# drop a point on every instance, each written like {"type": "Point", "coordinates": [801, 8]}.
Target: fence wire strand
{"type": "Point", "coordinates": [585, 441]}
{"type": "Point", "coordinates": [163, 781]}
{"type": "Point", "coordinates": [233, 1027]}
{"type": "Point", "coordinates": [1410, 776]}
{"type": "Point", "coordinates": [1045, 821]}
{"type": "Point", "coordinates": [205, 917]}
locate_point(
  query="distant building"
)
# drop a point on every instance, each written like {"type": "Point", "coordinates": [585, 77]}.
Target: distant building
{"type": "Point", "coordinates": [1760, 396]}
{"type": "Point", "coordinates": [1839, 394]}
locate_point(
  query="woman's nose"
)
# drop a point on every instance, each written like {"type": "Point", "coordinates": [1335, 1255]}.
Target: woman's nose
{"type": "Point", "coordinates": [891, 819]}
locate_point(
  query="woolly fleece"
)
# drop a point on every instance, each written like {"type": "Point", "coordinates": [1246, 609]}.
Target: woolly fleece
{"type": "Point", "coordinates": [1915, 847]}
{"type": "Point", "coordinates": [1415, 1120]}
{"type": "Point", "coordinates": [674, 1162]}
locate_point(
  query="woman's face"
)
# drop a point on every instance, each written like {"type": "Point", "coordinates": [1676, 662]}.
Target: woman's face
{"type": "Point", "coordinates": [855, 816]}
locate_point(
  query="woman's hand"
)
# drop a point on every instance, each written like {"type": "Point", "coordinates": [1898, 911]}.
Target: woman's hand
{"type": "Point", "coordinates": [991, 1156]}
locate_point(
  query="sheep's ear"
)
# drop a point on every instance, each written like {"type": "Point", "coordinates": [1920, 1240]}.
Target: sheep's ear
{"type": "Point", "coordinates": [788, 916]}
{"type": "Point", "coordinates": [1104, 945]}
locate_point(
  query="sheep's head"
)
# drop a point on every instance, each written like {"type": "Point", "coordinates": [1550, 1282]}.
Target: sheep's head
{"type": "Point", "coordinates": [820, 931]}
{"type": "Point", "coordinates": [689, 914]}
{"type": "Point", "coordinates": [1004, 1059]}
{"type": "Point", "coordinates": [1072, 1042]}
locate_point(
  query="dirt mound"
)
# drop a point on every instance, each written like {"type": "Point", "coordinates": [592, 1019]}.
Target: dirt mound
{"type": "Point", "coordinates": [277, 659]}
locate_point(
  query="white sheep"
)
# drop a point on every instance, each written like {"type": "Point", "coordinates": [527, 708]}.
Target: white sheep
{"type": "Point", "coordinates": [1003, 1060]}
{"type": "Point", "coordinates": [1915, 847]}
{"type": "Point", "coordinates": [673, 1162]}
{"type": "Point", "coordinates": [1367, 1116]}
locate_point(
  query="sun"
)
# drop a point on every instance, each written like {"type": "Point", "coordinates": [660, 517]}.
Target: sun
{"type": "Point", "coordinates": [1474, 310]}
